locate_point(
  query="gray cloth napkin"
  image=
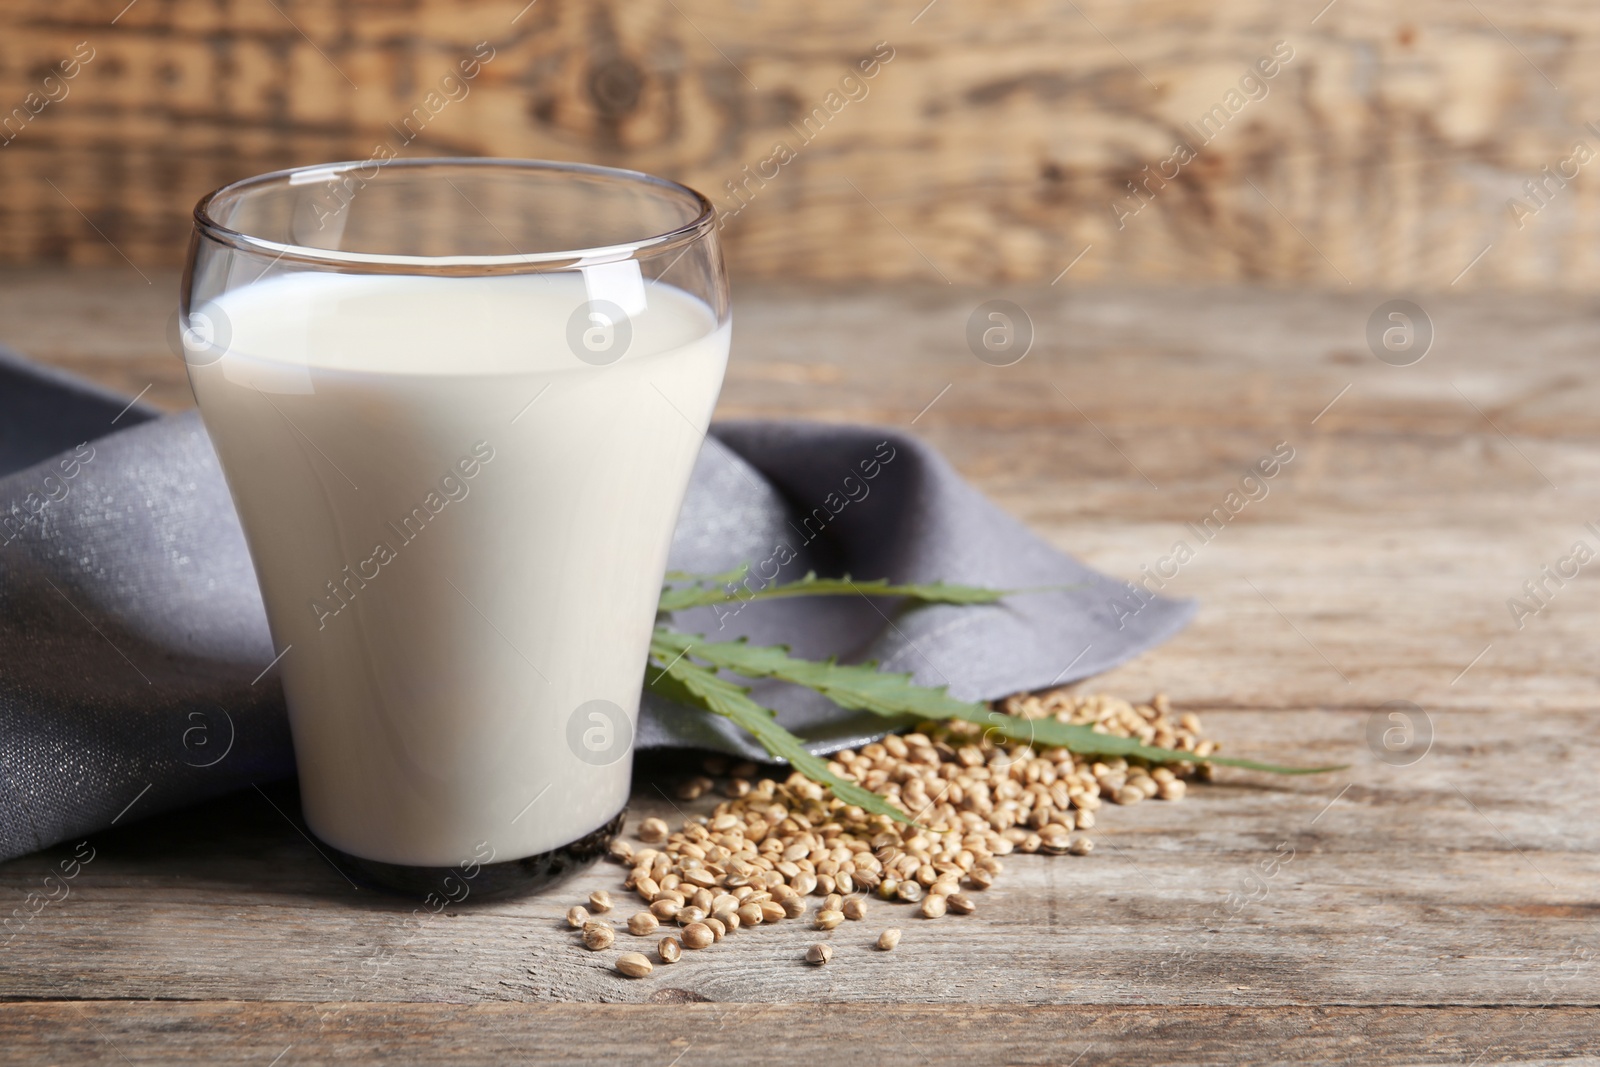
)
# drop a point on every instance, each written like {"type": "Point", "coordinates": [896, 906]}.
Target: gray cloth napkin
{"type": "Point", "coordinates": [135, 662]}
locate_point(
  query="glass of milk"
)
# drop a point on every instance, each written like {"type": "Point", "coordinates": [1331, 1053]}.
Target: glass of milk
{"type": "Point", "coordinates": [457, 402]}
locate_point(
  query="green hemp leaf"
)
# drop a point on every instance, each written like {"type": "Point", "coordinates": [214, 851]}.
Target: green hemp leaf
{"type": "Point", "coordinates": [859, 687]}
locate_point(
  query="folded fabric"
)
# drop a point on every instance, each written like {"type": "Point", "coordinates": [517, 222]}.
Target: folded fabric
{"type": "Point", "coordinates": [135, 660]}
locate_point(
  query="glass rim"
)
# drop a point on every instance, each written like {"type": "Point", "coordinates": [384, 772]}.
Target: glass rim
{"type": "Point", "coordinates": [654, 244]}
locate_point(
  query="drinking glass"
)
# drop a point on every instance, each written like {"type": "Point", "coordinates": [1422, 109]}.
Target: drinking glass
{"type": "Point", "coordinates": [457, 402]}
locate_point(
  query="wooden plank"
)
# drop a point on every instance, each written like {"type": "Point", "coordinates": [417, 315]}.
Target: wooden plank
{"type": "Point", "coordinates": [1388, 151]}
{"type": "Point", "coordinates": [671, 1031]}
{"type": "Point", "coordinates": [1451, 881]}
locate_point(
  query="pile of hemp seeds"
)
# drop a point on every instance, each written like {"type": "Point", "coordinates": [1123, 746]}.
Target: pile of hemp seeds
{"type": "Point", "coordinates": [770, 849]}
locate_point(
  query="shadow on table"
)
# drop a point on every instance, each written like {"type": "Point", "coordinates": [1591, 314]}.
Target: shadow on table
{"type": "Point", "coordinates": [253, 842]}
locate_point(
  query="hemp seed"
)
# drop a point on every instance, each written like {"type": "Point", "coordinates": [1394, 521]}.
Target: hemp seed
{"type": "Point", "coordinates": [577, 916]}
{"type": "Point", "coordinates": [643, 923]}
{"type": "Point", "coordinates": [600, 900]}
{"type": "Point", "coordinates": [597, 936]}
{"type": "Point", "coordinates": [819, 954]}
{"type": "Point", "coordinates": [889, 939]}
{"type": "Point", "coordinates": [694, 788]}
{"type": "Point", "coordinates": [765, 845]}
{"type": "Point", "coordinates": [669, 950]}
{"type": "Point", "coordinates": [697, 935]}
{"type": "Point", "coordinates": [633, 964]}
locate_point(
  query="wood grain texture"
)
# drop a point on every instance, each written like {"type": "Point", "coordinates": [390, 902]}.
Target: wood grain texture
{"type": "Point", "coordinates": [1394, 148]}
{"type": "Point", "coordinates": [1441, 910]}
{"type": "Point", "coordinates": [671, 1031]}
{"type": "Point", "coordinates": [1401, 892]}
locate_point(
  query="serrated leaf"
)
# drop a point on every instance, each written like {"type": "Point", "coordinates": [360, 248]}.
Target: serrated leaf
{"type": "Point", "coordinates": [681, 577]}
{"type": "Point", "coordinates": [865, 688]}
{"type": "Point", "coordinates": [709, 590]}
{"type": "Point", "coordinates": [861, 686]}
{"type": "Point", "coordinates": [676, 678]}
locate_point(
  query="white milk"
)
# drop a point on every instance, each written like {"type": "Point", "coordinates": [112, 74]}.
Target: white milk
{"type": "Point", "coordinates": [457, 571]}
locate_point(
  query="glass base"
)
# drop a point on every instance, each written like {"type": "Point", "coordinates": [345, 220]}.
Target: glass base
{"type": "Point", "coordinates": [485, 881]}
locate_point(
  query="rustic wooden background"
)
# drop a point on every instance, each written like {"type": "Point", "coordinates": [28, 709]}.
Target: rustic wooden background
{"type": "Point", "coordinates": [991, 147]}
{"type": "Point", "coordinates": [1439, 912]}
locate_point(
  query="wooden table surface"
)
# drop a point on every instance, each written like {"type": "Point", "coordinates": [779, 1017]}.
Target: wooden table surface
{"type": "Point", "coordinates": [1441, 902]}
